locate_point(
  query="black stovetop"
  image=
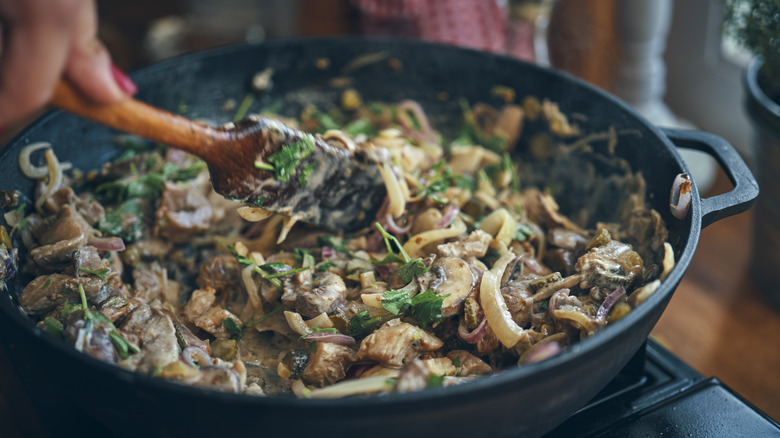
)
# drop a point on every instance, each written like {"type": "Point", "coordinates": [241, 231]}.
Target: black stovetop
{"type": "Point", "coordinates": [655, 395]}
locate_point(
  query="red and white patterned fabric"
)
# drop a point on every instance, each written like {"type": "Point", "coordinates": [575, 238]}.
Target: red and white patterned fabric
{"type": "Point", "coordinates": [479, 24]}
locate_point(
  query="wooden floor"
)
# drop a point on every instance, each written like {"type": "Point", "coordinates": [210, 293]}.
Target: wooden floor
{"type": "Point", "coordinates": [718, 322]}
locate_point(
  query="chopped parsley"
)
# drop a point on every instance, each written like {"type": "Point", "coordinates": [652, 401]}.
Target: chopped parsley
{"type": "Point", "coordinates": [426, 307]}
{"type": "Point", "coordinates": [258, 202]}
{"type": "Point", "coordinates": [327, 240]}
{"type": "Point", "coordinates": [362, 324]}
{"type": "Point", "coordinates": [244, 261]}
{"type": "Point", "coordinates": [435, 381]}
{"type": "Point", "coordinates": [235, 330]}
{"type": "Point", "coordinates": [115, 222]}
{"type": "Point", "coordinates": [411, 270]}
{"type": "Point", "coordinates": [523, 232]}
{"type": "Point", "coordinates": [396, 301]}
{"type": "Point", "coordinates": [287, 159]}
{"type": "Point", "coordinates": [53, 326]}
{"type": "Point", "coordinates": [325, 266]}
{"type": "Point", "coordinates": [101, 273]}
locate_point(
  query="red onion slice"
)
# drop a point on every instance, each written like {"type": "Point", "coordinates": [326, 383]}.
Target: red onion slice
{"type": "Point", "coordinates": [107, 243]}
{"type": "Point", "coordinates": [680, 198]}
{"type": "Point", "coordinates": [542, 352]}
{"type": "Point", "coordinates": [196, 357]}
{"type": "Point", "coordinates": [448, 215]}
{"type": "Point", "coordinates": [328, 252]}
{"type": "Point", "coordinates": [332, 337]}
{"type": "Point", "coordinates": [474, 336]}
{"type": "Point", "coordinates": [609, 302]}
{"type": "Point", "coordinates": [393, 227]}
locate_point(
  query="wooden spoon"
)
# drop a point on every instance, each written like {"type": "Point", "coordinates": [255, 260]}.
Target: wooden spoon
{"type": "Point", "coordinates": [259, 161]}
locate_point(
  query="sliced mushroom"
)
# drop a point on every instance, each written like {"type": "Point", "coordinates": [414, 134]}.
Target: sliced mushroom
{"type": "Point", "coordinates": [452, 278]}
{"type": "Point", "coordinates": [328, 294]}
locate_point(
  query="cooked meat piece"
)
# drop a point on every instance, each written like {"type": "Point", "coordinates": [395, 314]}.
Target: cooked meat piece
{"type": "Point", "coordinates": [157, 338]}
{"type": "Point", "coordinates": [413, 377]}
{"type": "Point", "coordinates": [328, 364]}
{"type": "Point", "coordinates": [220, 378]}
{"type": "Point", "coordinates": [87, 259]}
{"type": "Point", "coordinates": [440, 366]}
{"type": "Point", "coordinates": [560, 260]}
{"type": "Point", "coordinates": [222, 273]}
{"type": "Point", "coordinates": [519, 301]}
{"type": "Point", "coordinates": [148, 249]}
{"type": "Point", "coordinates": [91, 339]}
{"type": "Point", "coordinates": [9, 263]}
{"type": "Point", "coordinates": [202, 312]}
{"type": "Point", "coordinates": [475, 244]}
{"type": "Point", "coordinates": [566, 239]}
{"type": "Point", "coordinates": [59, 241]}
{"type": "Point", "coordinates": [46, 292]}
{"type": "Point", "coordinates": [609, 266]}
{"type": "Point", "coordinates": [152, 283]}
{"type": "Point", "coordinates": [183, 212]}
{"type": "Point", "coordinates": [91, 211]}
{"type": "Point", "coordinates": [468, 364]}
{"type": "Point", "coordinates": [328, 294]}
{"type": "Point", "coordinates": [396, 343]}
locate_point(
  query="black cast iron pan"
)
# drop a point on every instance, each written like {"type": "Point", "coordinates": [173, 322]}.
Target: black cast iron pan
{"type": "Point", "coordinates": [525, 401]}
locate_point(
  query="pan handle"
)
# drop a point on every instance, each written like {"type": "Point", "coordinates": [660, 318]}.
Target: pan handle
{"type": "Point", "coordinates": [745, 190]}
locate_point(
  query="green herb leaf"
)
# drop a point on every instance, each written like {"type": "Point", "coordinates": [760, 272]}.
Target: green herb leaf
{"type": "Point", "coordinates": [396, 301]}
{"type": "Point", "coordinates": [116, 223]}
{"type": "Point", "coordinates": [259, 201]}
{"type": "Point", "coordinates": [303, 177]}
{"type": "Point", "coordinates": [123, 348]}
{"type": "Point", "coordinates": [389, 240]}
{"type": "Point", "coordinates": [362, 324]}
{"type": "Point", "coordinates": [457, 363]}
{"type": "Point", "coordinates": [360, 126]}
{"type": "Point", "coordinates": [68, 308]}
{"type": "Point", "coordinates": [435, 381]}
{"type": "Point", "coordinates": [53, 326]}
{"type": "Point", "coordinates": [244, 261]}
{"type": "Point", "coordinates": [263, 165]}
{"type": "Point", "coordinates": [523, 232]}
{"type": "Point", "coordinates": [263, 318]}
{"type": "Point", "coordinates": [101, 273]}
{"type": "Point", "coordinates": [46, 284]}
{"type": "Point", "coordinates": [233, 328]}
{"type": "Point", "coordinates": [325, 266]}
{"type": "Point", "coordinates": [426, 307]}
{"type": "Point", "coordinates": [243, 108]}
{"type": "Point", "coordinates": [287, 159]}
{"type": "Point", "coordinates": [411, 270]}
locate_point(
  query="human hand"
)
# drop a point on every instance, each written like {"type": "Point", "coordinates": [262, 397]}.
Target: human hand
{"type": "Point", "coordinates": [43, 40]}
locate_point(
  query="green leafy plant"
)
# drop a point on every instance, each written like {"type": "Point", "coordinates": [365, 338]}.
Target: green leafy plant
{"type": "Point", "coordinates": [755, 24]}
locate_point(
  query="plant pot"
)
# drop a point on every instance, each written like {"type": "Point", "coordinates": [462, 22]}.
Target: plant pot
{"type": "Point", "coordinates": [765, 116]}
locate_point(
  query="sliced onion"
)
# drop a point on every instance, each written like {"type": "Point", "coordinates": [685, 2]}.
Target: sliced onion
{"type": "Point", "coordinates": [366, 385]}
{"type": "Point", "coordinates": [253, 214]}
{"type": "Point", "coordinates": [496, 311]}
{"type": "Point", "coordinates": [30, 171]}
{"type": "Point", "coordinates": [107, 243]}
{"type": "Point", "coordinates": [393, 227]}
{"type": "Point", "coordinates": [394, 193]}
{"type": "Point", "coordinates": [334, 338]}
{"type": "Point", "coordinates": [196, 357]}
{"type": "Point", "coordinates": [474, 336]}
{"type": "Point", "coordinates": [542, 352]}
{"type": "Point", "coordinates": [415, 244]}
{"type": "Point", "coordinates": [610, 301]}
{"type": "Point", "coordinates": [425, 133]}
{"type": "Point", "coordinates": [449, 214]}
{"type": "Point", "coordinates": [296, 323]}
{"type": "Point", "coordinates": [680, 198]}
{"type": "Point", "coordinates": [328, 252]}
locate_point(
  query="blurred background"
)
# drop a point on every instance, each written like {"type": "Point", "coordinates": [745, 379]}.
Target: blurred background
{"type": "Point", "coordinates": [668, 58]}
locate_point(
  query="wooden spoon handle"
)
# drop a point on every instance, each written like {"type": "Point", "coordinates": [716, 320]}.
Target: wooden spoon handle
{"type": "Point", "coordinates": [135, 117]}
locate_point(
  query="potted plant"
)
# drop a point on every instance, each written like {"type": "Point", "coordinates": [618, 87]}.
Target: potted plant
{"type": "Point", "coordinates": [756, 25]}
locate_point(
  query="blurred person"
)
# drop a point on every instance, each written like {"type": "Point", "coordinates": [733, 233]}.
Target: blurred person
{"type": "Point", "coordinates": [44, 40]}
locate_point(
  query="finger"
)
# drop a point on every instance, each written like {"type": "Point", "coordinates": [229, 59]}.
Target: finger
{"type": "Point", "coordinates": [89, 65]}
{"type": "Point", "coordinates": [36, 44]}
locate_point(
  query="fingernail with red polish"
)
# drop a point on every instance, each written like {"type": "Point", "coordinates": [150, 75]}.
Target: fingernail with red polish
{"type": "Point", "coordinates": [123, 81]}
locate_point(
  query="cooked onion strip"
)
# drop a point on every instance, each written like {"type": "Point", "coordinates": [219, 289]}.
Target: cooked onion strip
{"type": "Point", "coordinates": [496, 311]}
{"type": "Point", "coordinates": [668, 261]}
{"type": "Point", "coordinates": [296, 323]}
{"type": "Point", "coordinates": [417, 242]}
{"type": "Point", "coordinates": [253, 214]}
{"type": "Point", "coordinates": [394, 193]}
{"type": "Point", "coordinates": [54, 179]}
{"type": "Point", "coordinates": [251, 287]}
{"type": "Point", "coordinates": [680, 198]}
{"type": "Point", "coordinates": [30, 171]}
{"type": "Point", "coordinates": [366, 385]}
{"type": "Point", "coordinates": [501, 225]}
